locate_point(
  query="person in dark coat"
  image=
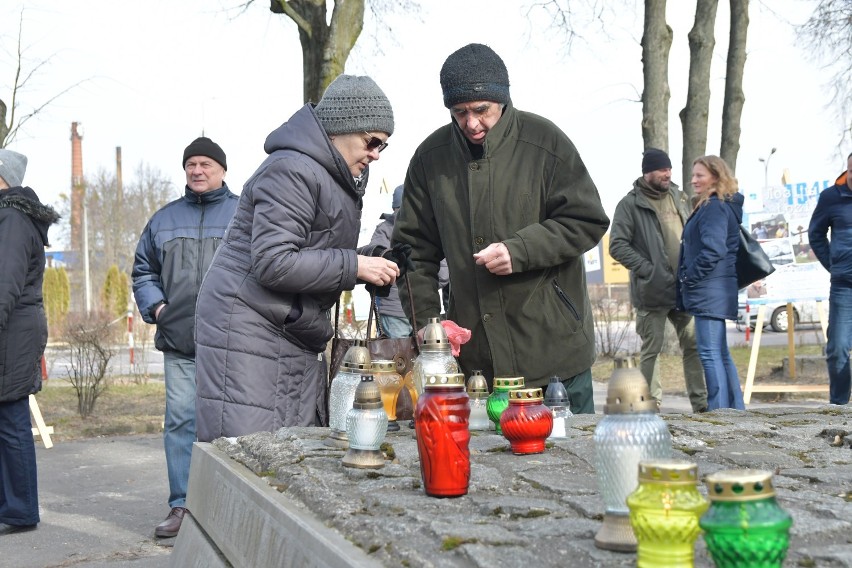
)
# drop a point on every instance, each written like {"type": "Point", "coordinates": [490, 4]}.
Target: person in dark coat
{"type": "Point", "coordinates": [707, 275]}
{"type": "Point", "coordinates": [263, 316]}
{"type": "Point", "coordinates": [834, 211]}
{"type": "Point", "coordinates": [24, 222]}
{"type": "Point", "coordinates": [505, 197]}
{"type": "Point", "coordinates": [174, 251]}
{"type": "Point", "coordinates": [645, 238]}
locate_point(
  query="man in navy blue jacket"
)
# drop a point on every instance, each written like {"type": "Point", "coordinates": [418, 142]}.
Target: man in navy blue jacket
{"type": "Point", "coordinates": [174, 252]}
{"type": "Point", "coordinates": [834, 211]}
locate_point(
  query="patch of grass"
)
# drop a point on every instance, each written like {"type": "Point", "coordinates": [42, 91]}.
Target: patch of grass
{"type": "Point", "coordinates": [123, 409]}
{"type": "Point", "coordinates": [453, 542]}
{"type": "Point", "coordinates": [671, 366]}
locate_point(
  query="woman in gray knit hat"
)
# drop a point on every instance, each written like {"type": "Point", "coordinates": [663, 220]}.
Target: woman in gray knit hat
{"type": "Point", "coordinates": [262, 320]}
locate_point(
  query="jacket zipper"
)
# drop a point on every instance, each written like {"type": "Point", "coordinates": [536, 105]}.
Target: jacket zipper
{"type": "Point", "coordinates": [564, 297]}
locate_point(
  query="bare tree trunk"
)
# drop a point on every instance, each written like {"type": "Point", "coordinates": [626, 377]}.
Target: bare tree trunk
{"type": "Point", "coordinates": [656, 44]}
{"type": "Point", "coordinates": [694, 115]}
{"type": "Point", "coordinates": [325, 47]}
{"type": "Point", "coordinates": [732, 110]}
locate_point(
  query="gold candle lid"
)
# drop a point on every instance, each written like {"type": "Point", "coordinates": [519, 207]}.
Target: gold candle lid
{"type": "Point", "coordinates": [383, 366]}
{"type": "Point", "coordinates": [434, 337]}
{"type": "Point", "coordinates": [525, 395]}
{"type": "Point", "coordinates": [357, 357]}
{"type": "Point", "coordinates": [740, 485]}
{"type": "Point", "coordinates": [677, 472]}
{"type": "Point", "coordinates": [509, 382]}
{"type": "Point", "coordinates": [367, 394]}
{"type": "Point", "coordinates": [448, 380]}
{"type": "Point", "coordinates": [628, 392]}
{"type": "Point", "coordinates": [477, 386]}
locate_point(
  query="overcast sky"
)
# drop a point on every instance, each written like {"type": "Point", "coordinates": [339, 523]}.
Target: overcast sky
{"type": "Point", "coordinates": [156, 74]}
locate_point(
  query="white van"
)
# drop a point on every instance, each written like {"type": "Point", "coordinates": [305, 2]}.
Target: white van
{"type": "Point", "coordinates": [803, 283]}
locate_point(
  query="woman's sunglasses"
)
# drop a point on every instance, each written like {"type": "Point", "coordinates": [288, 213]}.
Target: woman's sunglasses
{"type": "Point", "coordinates": [375, 142]}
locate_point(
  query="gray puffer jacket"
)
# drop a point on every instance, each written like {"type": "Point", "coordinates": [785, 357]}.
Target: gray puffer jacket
{"type": "Point", "coordinates": [263, 320]}
{"type": "Point", "coordinates": [636, 241]}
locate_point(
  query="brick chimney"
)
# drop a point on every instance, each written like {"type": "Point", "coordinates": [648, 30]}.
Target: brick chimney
{"type": "Point", "coordinates": [78, 190]}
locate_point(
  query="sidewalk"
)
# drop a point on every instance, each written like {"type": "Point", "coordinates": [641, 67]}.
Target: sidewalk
{"type": "Point", "coordinates": [100, 500]}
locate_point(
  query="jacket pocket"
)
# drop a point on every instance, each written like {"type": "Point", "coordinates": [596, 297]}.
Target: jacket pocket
{"type": "Point", "coordinates": [563, 297]}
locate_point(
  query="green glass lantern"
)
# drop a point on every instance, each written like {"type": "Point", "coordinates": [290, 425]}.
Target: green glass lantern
{"type": "Point", "coordinates": [744, 526]}
{"type": "Point", "coordinates": [498, 400]}
{"type": "Point", "coordinates": [664, 513]}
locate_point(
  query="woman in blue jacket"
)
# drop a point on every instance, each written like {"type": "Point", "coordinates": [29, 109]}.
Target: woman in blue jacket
{"type": "Point", "coordinates": [707, 276]}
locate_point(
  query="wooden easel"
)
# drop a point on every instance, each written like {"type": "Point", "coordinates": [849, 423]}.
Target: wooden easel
{"type": "Point", "coordinates": [750, 387]}
{"type": "Point", "coordinates": [41, 429]}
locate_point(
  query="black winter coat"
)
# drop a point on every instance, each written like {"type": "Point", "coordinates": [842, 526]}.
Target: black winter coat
{"type": "Point", "coordinates": [24, 221]}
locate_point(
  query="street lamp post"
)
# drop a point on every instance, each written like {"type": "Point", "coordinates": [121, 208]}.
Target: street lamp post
{"type": "Point", "coordinates": [765, 162]}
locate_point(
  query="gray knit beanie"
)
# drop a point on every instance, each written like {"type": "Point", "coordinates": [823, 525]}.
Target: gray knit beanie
{"type": "Point", "coordinates": [354, 103]}
{"type": "Point", "coordinates": [474, 73]}
{"type": "Point", "coordinates": [13, 166]}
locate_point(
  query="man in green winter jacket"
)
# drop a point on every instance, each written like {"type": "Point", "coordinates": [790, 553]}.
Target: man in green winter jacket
{"type": "Point", "coordinates": [645, 238]}
{"type": "Point", "coordinates": [505, 197]}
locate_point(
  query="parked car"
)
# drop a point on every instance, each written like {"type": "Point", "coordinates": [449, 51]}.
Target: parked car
{"type": "Point", "coordinates": [800, 284]}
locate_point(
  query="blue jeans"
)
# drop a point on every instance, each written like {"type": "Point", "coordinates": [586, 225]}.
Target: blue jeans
{"type": "Point", "coordinates": [720, 373]}
{"type": "Point", "coordinates": [18, 475]}
{"type": "Point", "coordinates": [395, 326]}
{"type": "Point", "coordinates": [179, 431]}
{"type": "Point", "coordinates": [838, 343]}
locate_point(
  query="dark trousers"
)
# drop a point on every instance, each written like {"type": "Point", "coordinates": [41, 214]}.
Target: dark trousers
{"type": "Point", "coordinates": [18, 475]}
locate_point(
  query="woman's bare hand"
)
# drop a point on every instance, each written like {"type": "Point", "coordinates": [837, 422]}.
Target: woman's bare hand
{"type": "Point", "coordinates": [377, 270]}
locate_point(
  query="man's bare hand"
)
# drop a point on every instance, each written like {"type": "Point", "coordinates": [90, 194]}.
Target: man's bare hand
{"type": "Point", "coordinates": [496, 258]}
{"type": "Point", "coordinates": [377, 270]}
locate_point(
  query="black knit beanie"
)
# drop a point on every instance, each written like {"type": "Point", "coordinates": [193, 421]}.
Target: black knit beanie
{"type": "Point", "coordinates": [474, 73]}
{"type": "Point", "coordinates": [655, 159]}
{"type": "Point", "coordinates": [203, 146]}
{"type": "Point", "coordinates": [353, 103]}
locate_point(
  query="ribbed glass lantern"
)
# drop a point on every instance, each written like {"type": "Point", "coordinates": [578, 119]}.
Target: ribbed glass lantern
{"type": "Point", "coordinates": [477, 390]}
{"type": "Point", "coordinates": [498, 401]}
{"type": "Point", "coordinates": [366, 426]}
{"type": "Point", "coordinates": [390, 385]}
{"type": "Point", "coordinates": [436, 355]}
{"type": "Point", "coordinates": [441, 423]}
{"type": "Point", "coordinates": [527, 422]}
{"type": "Point", "coordinates": [356, 362]}
{"type": "Point", "coordinates": [745, 526]}
{"type": "Point", "coordinates": [556, 398]}
{"type": "Point", "coordinates": [630, 432]}
{"type": "Point", "coordinates": [664, 513]}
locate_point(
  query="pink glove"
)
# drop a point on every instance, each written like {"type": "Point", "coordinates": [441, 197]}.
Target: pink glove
{"type": "Point", "coordinates": [458, 336]}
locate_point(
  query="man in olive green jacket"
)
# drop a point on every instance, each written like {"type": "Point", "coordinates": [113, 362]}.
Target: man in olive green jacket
{"type": "Point", "coordinates": [645, 238]}
{"type": "Point", "coordinates": [505, 197]}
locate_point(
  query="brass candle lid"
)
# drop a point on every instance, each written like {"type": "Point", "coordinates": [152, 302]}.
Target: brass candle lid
{"type": "Point", "coordinates": [357, 357]}
{"type": "Point", "coordinates": [477, 386]}
{"type": "Point", "coordinates": [509, 382]}
{"type": "Point", "coordinates": [367, 395]}
{"type": "Point", "coordinates": [383, 366]}
{"type": "Point", "coordinates": [525, 395]}
{"type": "Point", "coordinates": [444, 380]}
{"type": "Point", "coordinates": [740, 485]}
{"type": "Point", "coordinates": [671, 472]}
{"type": "Point", "coordinates": [628, 392]}
{"type": "Point", "coordinates": [434, 337]}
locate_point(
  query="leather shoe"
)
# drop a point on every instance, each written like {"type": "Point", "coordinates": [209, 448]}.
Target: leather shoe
{"type": "Point", "coordinates": [171, 525]}
{"type": "Point", "coordinates": [12, 529]}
